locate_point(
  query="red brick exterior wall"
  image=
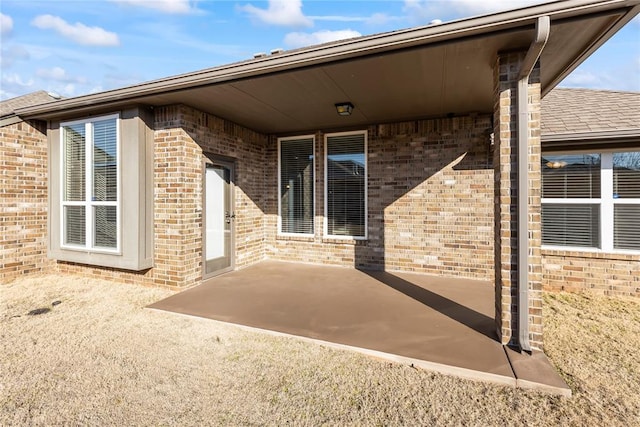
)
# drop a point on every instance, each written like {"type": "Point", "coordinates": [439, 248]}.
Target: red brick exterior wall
{"type": "Point", "coordinates": [605, 273]}
{"type": "Point", "coordinates": [23, 200]}
{"type": "Point", "coordinates": [430, 202]}
{"type": "Point", "coordinates": [431, 206]}
{"type": "Point", "coordinates": [181, 135]}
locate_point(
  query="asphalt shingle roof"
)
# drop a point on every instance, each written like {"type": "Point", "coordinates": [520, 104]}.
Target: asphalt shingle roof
{"type": "Point", "coordinates": [588, 110]}
{"type": "Point", "coordinates": [8, 106]}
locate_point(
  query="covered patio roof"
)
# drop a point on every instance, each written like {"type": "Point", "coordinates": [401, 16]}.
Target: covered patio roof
{"type": "Point", "coordinates": [422, 72]}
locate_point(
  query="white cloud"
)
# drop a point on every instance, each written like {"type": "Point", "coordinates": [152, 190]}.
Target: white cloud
{"type": "Point", "coordinates": [58, 74]}
{"type": "Point", "coordinates": [426, 10]}
{"type": "Point", "coordinates": [6, 24]}
{"type": "Point", "coordinates": [584, 79]}
{"type": "Point", "coordinates": [381, 18]}
{"type": "Point", "coordinates": [15, 79]}
{"type": "Point", "coordinates": [298, 39]}
{"type": "Point", "coordinates": [9, 55]}
{"type": "Point", "coordinates": [286, 13]}
{"type": "Point", "coordinates": [12, 85]}
{"type": "Point", "coordinates": [165, 6]}
{"type": "Point", "coordinates": [623, 76]}
{"type": "Point", "coordinates": [374, 19]}
{"type": "Point", "coordinates": [78, 32]}
{"type": "Point", "coordinates": [68, 90]}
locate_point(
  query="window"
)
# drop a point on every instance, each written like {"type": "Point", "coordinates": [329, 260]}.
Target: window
{"type": "Point", "coordinates": [591, 200]}
{"type": "Point", "coordinates": [346, 185]}
{"type": "Point", "coordinates": [626, 200]}
{"type": "Point", "coordinates": [90, 159]}
{"type": "Point", "coordinates": [296, 185]}
{"type": "Point", "coordinates": [101, 197]}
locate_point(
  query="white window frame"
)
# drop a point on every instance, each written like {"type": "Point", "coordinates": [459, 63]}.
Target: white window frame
{"type": "Point", "coordinates": [366, 187]}
{"type": "Point", "coordinates": [313, 208]}
{"type": "Point", "coordinates": [88, 204]}
{"type": "Point", "coordinates": [606, 202]}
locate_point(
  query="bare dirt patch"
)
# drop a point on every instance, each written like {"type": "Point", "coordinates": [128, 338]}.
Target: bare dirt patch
{"type": "Point", "coordinates": [98, 357]}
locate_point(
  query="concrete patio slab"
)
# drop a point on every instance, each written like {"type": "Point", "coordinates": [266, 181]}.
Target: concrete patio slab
{"type": "Point", "coordinates": [438, 323]}
{"type": "Point", "coordinates": [536, 372]}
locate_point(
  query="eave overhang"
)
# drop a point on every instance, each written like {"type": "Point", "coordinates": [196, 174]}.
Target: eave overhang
{"type": "Point", "coordinates": [430, 71]}
{"type": "Point", "coordinates": [605, 139]}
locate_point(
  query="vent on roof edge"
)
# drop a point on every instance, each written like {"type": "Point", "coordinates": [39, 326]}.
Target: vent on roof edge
{"type": "Point", "coordinates": [277, 51]}
{"type": "Point", "coordinates": [259, 55]}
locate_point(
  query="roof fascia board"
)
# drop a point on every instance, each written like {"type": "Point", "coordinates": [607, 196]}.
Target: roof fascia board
{"type": "Point", "coordinates": [592, 136]}
{"type": "Point", "coordinates": [347, 49]}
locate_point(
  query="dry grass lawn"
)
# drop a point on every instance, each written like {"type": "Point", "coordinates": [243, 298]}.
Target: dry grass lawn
{"type": "Point", "coordinates": [99, 358]}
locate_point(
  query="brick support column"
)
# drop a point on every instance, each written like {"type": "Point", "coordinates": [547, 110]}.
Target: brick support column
{"type": "Point", "coordinates": [177, 200]}
{"type": "Point", "coordinates": [506, 198]}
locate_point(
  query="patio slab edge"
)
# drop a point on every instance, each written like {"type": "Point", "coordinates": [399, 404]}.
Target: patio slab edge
{"type": "Point", "coordinates": [534, 371]}
{"type": "Point", "coordinates": [519, 363]}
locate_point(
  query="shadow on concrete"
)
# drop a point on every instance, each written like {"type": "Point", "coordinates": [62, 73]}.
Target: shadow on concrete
{"type": "Point", "coordinates": [448, 307]}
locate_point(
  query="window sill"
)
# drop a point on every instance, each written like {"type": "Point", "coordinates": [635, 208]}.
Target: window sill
{"type": "Point", "coordinates": [293, 237]}
{"type": "Point", "coordinates": [591, 253]}
{"type": "Point", "coordinates": [98, 251]}
{"type": "Point", "coordinates": [344, 240]}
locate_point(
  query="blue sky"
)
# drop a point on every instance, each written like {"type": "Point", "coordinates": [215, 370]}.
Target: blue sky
{"type": "Point", "coordinates": [84, 46]}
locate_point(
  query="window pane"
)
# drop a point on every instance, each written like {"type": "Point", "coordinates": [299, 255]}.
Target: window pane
{"type": "Point", "coordinates": [74, 162]}
{"type": "Point", "coordinates": [296, 186]}
{"type": "Point", "coordinates": [571, 176]}
{"type": "Point", "coordinates": [105, 226]}
{"type": "Point", "coordinates": [346, 185]}
{"type": "Point", "coordinates": [104, 160]}
{"type": "Point", "coordinates": [571, 225]}
{"type": "Point", "coordinates": [626, 227]}
{"type": "Point", "coordinates": [626, 175]}
{"type": "Point", "coordinates": [74, 225]}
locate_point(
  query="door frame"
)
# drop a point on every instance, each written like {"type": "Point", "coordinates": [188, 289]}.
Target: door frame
{"type": "Point", "coordinates": [229, 163]}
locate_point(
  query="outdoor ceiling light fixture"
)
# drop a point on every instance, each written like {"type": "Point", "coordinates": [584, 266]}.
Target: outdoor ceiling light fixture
{"type": "Point", "coordinates": [344, 108]}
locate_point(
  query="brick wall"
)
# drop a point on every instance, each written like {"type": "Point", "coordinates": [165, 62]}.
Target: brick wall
{"type": "Point", "coordinates": [23, 200]}
{"type": "Point", "coordinates": [217, 136]}
{"type": "Point", "coordinates": [181, 135]}
{"type": "Point", "coordinates": [608, 274]}
{"type": "Point", "coordinates": [430, 202]}
{"type": "Point", "coordinates": [506, 191]}
{"type": "Point", "coordinates": [431, 188]}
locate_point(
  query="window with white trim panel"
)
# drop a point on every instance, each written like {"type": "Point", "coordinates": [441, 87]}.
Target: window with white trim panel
{"type": "Point", "coordinates": [591, 201]}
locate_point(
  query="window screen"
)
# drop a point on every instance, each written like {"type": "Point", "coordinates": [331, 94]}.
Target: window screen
{"type": "Point", "coordinates": [75, 222]}
{"type": "Point", "coordinates": [626, 175]}
{"type": "Point", "coordinates": [296, 186]}
{"type": "Point", "coordinates": [74, 162]}
{"type": "Point", "coordinates": [626, 227]}
{"type": "Point", "coordinates": [346, 185]}
{"type": "Point", "coordinates": [626, 187]}
{"type": "Point", "coordinates": [104, 161]}
{"type": "Point", "coordinates": [571, 176]}
{"type": "Point", "coordinates": [571, 225]}
{"type": "Point", "coordinates": [105, 226]}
